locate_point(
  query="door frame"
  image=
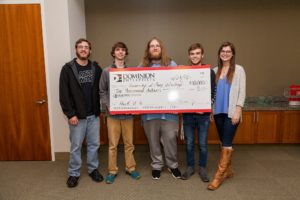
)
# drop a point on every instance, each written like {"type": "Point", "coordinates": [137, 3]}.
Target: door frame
{"type": "Point", "coordinates": [46, 64]}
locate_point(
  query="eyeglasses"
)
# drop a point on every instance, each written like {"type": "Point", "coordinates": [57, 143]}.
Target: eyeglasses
{"type": "Point", "coordinates": [83, 47]}
{"type": "Point", "coordinates": [228, 52]}
{"type": "Point", "coordinates": [155, 46]}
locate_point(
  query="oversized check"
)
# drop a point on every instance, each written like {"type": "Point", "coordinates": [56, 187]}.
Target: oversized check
{"type": "Point", "coordinates": [182, 89]}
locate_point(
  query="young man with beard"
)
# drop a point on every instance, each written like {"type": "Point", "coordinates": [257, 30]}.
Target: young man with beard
{"type": "Point", "coordinates": [160, 128]}
{"type": "Point", "coordinates": [117, 125]}
{"type": "Point", "coordinates": [80, 102]}
{"type": "Point", "coordinates": [198, 121]}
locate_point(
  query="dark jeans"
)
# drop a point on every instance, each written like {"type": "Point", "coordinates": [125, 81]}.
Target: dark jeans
{"type": "Point", "coordinates": [226, 129]}
{"type": "Point", "coordinates": [201, 124]}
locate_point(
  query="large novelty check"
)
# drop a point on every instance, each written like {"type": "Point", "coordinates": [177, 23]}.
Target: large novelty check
{"type": "Point", "coordinates": [181, 89]}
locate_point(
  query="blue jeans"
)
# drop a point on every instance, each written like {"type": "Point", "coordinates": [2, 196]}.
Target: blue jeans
{"type": "Point", "coordinates": [201, 123]}
{"type": "Point", "coordinates": [226, 129]}
{"type": "Point", "coordinates": [86, 128]}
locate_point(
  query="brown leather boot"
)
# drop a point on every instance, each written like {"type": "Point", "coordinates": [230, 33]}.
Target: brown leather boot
{"type": "Point", "coordinates": [229, 172]}
{"type": "Point", "coordinates": [221, 173]}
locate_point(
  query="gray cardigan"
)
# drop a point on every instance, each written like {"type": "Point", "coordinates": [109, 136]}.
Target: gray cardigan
{"type": "Point", "coordinates": [237, 91]}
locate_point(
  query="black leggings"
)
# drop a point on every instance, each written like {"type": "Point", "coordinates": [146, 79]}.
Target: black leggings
{"type": "Point", "coordinates": [226, 129]}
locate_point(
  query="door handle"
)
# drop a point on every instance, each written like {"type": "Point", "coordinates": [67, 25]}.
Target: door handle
{"type": "Point", "coordinates": [41, 102]}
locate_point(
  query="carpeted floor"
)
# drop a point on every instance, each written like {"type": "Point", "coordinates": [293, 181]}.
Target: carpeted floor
{"type": "Point", "coordinates": [261, 172]}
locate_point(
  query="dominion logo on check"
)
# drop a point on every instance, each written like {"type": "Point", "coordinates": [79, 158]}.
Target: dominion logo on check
{"type": "Point", "coordinates": [134, 77]}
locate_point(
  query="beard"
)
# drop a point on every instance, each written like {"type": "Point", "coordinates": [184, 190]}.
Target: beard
{"type": "Point", "coordinates": [82, 58]}
{"type": "Point", "coordinates": [155, 56]}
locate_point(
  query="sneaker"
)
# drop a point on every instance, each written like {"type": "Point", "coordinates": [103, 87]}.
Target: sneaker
{"type": "Point", "coordinates": [110, 178]}
{"type": "Point", "coordinates": [156, 174]}
{"type": "Point", "coordinates": [188, 173]}
{"type": "Point", "coordinates": [134, 174]}
{"type": "Point", "coordinates": [203, 174]}
{"type": "Point", "coordinates": [96, 176]}
{"type": "Point", "coordinates": [175, 173]}
{"type": "Point", "coordinates": [72, 181]}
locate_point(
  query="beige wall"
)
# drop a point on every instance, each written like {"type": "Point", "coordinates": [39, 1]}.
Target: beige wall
{"type": "Point", "coordinates": [266, 34]}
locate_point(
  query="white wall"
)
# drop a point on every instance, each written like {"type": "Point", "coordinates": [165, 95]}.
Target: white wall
{"type": "Point", "coordinates": [63, 23]}
{"type": "Point", "coordinates": [58, 51]}
{"type": "Point", "coordinates": [76, 21]}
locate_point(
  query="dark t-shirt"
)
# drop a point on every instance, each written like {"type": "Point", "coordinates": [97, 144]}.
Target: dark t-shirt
{"type": "Point", "coordinates": [86, 76]}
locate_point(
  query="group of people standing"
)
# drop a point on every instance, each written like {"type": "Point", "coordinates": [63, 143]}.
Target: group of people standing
{"type": "Point", "coordinates": [83, 84]}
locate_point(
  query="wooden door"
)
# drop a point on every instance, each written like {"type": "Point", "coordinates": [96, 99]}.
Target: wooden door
{"type": "Point", "coordinates": [267, 126]}
{"type": "Point", "coordinates": [139, 136]}
{"type": "Point", "coordinates": [24, 123]}
{"type": "Point", "coordinates": [246, 129]}
{"type": "Point", "coordinates": [103, 129]}
{"type": "Point", "coordinates": [213, 136]}
{"type": "Point", "coordinates": [290, 131]}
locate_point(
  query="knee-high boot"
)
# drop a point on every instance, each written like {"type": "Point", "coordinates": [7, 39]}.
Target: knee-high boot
{"type": "Point", "coordinates": [229, 172]}
{"type": "Point", "coordinates": [221, 173]}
